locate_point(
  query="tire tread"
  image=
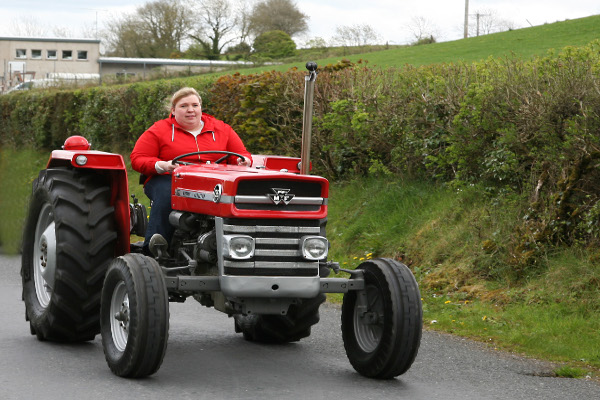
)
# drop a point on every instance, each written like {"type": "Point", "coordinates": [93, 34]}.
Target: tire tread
{"type": "Point", "coordinates": [85, 235]}
{"type": "Point", "coordinates": [402, 327]}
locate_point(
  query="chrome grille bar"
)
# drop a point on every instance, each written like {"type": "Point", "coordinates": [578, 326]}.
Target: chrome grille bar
{"type": "Point", "coordinates": [277, 241]}
{"type": "Point", "coordinates": [271, 265]}
{"type": "Point", "coordinates": [315, 230]}
{"type": "Point", "coordinates": [277, 253]}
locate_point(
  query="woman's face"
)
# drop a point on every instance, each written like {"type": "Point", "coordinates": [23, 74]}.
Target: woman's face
{"type": "Point", "coordinates": [188, 112]}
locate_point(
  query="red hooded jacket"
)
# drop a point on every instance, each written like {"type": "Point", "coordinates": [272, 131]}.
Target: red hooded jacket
{"type": "Point", "coordinates": [166, 139]}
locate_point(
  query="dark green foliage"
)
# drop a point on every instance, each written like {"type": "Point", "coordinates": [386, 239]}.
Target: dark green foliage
{"type": "Point", "coordinates": [265, 109]}
{"type": "Point", "coordinates": [425, 40]}
{"type": "Point", "coordinates": [277, 15]}
{"type": "Point", "coordinates": [111, 117]}
{"type": "Point", "coordinates": [274, 45]}
{"type": "Point", "coordinates": [239, 51]}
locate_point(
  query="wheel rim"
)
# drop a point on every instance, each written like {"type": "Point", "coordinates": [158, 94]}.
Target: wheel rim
{"type": "Point", "coordinates": [368, 327]}
{"type": "Point", "coordinates": [44, 255]}
{"type": "Point", "coordinates": [119, 320]}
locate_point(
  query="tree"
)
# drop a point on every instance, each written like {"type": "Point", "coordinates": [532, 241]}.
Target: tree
{"type": "Point", "coordinates": [316, 43]}
{"type": "Point", "coordinates": [278, 15]}
{"type": "Point", "coordinates": [244, 13]}
{"type": "Point", "coordinates": [157, 29]}
{"type": "Point", "coordinates": [487, 21]}
{"type": "Point", "coordinates": [240, 50]}
{"type": "Point", "coordinates": [64, 32]}
{"type": "Point", "coordinates": [168, 24]}
{"type": "Point", "coordinates": [274, 44]}
{"type": "Point", "coordinates": [355, 35]}
{"type": "Point", "coordinates": [216, 28]}
{"type": "Point", "coordinates": [28, 26]}
{"type": "Point", "coordinates": [125, 38]}
{"type": "Point", "coordinates": [422, 29]}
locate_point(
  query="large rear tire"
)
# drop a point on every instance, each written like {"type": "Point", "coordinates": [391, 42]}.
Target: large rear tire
{"type": "Point", "coordinates": [382, 340]}
{"type": "Point", "coordinates": [134, 316]}
{"type": "Point", "coordinates": [68, 241]}
{"type": "Point", "coordinates": [292, 327]}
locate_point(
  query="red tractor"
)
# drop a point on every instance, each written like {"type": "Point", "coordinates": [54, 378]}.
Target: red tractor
{"type": "Point", "coordinates": [249, 241]}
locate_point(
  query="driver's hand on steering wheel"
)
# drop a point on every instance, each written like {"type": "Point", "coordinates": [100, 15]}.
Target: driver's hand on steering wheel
{"type": "Point", "coordinates": [163, 167]}
{"type": "Point", "coordinates": [243, 162]}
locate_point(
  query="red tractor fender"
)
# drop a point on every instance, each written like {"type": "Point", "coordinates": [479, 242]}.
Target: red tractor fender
{"type": "Point", "coordinates": [277, 163]}
{"type": "Point", "coordinates": [76, 154]}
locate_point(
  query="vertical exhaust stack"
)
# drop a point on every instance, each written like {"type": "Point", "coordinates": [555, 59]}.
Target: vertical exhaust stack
{"type": "Point", "coordinates": [309, 91]}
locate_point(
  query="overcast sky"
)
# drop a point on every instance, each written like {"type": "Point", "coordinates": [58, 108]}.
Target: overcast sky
{"type": "Point", "coordinates": [391, 19]}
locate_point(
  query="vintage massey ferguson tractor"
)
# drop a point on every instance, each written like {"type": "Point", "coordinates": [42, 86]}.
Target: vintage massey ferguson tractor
{"type": "Point", "coordinates": [249, 241]}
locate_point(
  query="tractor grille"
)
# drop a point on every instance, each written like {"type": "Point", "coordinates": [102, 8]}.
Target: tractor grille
{"type": "Point", "coordinates": [277, 251]}
{"type": "Point", "coordinates": [279, 195]}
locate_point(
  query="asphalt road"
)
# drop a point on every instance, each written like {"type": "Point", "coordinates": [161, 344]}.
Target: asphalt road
{"type": "Point", "coordinates": [206, 360]}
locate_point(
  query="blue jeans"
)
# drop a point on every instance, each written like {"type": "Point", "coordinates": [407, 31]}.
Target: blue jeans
{"type": "Point", "coordinates": [158, 189]}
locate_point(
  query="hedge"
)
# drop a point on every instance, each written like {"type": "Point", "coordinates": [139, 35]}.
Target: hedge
{"type": "Point", "coordinates": [529, 129]}
{"type": "Point", "coordinates": [111, 117]}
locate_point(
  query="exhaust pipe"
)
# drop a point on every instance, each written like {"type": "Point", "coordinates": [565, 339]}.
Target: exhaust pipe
{"type": "Point", "coordinates": [309, 91]}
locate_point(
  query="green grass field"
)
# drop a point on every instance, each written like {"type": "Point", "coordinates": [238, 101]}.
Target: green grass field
{"type": "Point", "coordinates": [525, 43]}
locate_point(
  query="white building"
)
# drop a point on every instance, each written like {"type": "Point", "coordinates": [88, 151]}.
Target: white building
{"type": "Point", "coordinates": [23, 59]}
{"type": "Point", "coordinates": [146, 67]}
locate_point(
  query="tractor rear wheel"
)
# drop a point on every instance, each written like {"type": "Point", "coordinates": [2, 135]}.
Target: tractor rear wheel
{"type": "Point", "coordinates": [381, 324]}
{"type": "Point", "coordinates": [292, 327]}
{"type": "Point", "coordinates": [68, 241]}
{"type": "Point", "coordinates": [134, 316]}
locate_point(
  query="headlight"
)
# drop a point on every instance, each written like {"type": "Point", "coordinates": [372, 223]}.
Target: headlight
{"type": "Point", "coordinates": [81, 160]}
{"type": "Point", "coordinates": [238, 247]}
{"type": "Point", "coordinates": [314, 247]}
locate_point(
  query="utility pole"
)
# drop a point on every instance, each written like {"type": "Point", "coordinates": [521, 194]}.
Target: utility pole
{"type": "Point", "coordinates": [466, 19]}
{"type": "Point", "coordinates": [478, 15]}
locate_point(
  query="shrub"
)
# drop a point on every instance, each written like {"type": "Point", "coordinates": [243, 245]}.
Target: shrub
{"type": "Point", "coordinates": [274, 45]}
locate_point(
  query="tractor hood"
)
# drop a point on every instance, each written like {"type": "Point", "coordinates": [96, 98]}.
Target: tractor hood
{"type": "Point", "coordinates": [232, 191]}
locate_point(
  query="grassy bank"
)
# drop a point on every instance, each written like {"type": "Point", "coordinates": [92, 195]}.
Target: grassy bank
{"type": "Point", "coordinates": [554, 314]}
{"type": "Point", "coordinates": [18, 169]}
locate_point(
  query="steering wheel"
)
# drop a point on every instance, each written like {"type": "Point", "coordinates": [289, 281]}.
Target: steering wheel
{"type": "Point", "coordinates": [177, 159]}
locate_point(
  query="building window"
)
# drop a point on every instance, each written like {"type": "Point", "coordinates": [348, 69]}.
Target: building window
{"type": "Point", "coordinates": [81, 55]}
{"type": "Point", "coordinates": [21, 53]}
{"type": "Point", "coordinates": [36, 54]}
{"type": "Point", "coordinates": [67, 55]}
{"type": "Point", "coordinates": [51, 55]}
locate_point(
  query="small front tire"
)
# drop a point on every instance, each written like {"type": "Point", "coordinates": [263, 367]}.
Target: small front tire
{"type": "Point", "coordinates": [134, 316]}
{"type": "Point", "coordinates": [382, 339]}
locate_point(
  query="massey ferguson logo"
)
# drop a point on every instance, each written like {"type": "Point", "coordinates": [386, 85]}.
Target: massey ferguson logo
{"type": "Point", "coordinates": [281, 196]}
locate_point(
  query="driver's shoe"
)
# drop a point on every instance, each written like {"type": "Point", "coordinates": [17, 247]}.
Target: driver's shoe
{"type": "Point", "coordinates": [158, 246]}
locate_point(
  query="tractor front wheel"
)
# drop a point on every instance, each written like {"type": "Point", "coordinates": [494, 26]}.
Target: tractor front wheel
{"type": "Point", "coordinates": [134, 316]}
{"type": "Point", "coordinates": [381, 324]}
